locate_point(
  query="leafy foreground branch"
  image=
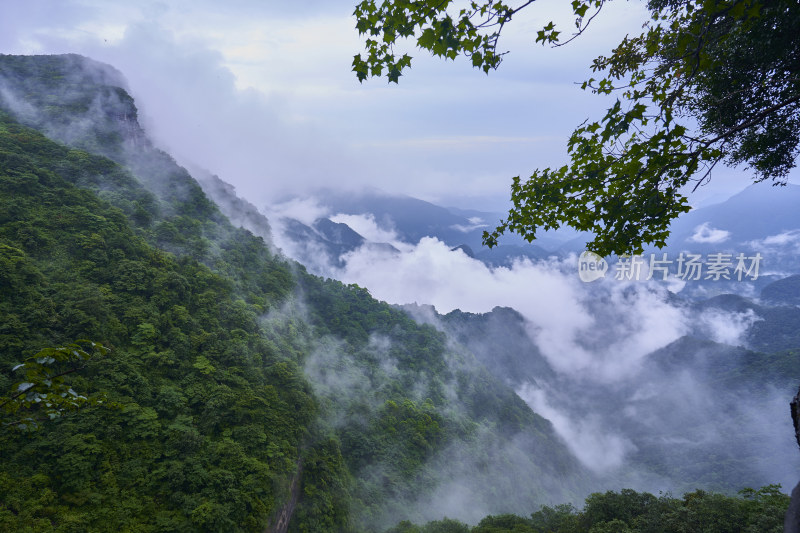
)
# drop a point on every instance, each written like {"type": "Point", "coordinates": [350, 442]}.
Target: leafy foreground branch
{"type": "Point", "coordinates": [43, 392]}
{"type": "Point", "coordinates": [628, 511]}
{"type": "Point", "coordinates": [706, 82]}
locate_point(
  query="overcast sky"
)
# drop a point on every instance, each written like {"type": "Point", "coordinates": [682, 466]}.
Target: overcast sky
{"type": "Point", "coordinates": [261, 93]}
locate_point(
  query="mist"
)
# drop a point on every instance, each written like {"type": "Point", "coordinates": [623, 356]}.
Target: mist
{"type": "Point", "coordinates": [599, 386]}
{"type": "Point", "coordinates": [611, 387]}
{"type": "Point", "coordinates": [262, 94]}
{"type": "Point", "coordinates": [633, 379]}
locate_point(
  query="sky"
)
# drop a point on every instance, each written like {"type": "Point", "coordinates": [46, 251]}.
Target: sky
{"type": "Point", "coordinates": [261, 93]}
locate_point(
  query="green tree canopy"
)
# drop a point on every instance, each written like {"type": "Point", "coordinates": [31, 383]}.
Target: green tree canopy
{"type": "Point", "coordinates": [707, 81]}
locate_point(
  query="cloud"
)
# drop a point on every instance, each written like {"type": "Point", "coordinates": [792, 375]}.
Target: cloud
{"type": "Point", "coordinates": [474, 223]}
{"type": "Point", "coordinates": [704, 233]}
{"type": "Point", "coordinates": [262, 94]}
{"type": "Point", "coordinates": [787, 238]}
{"type": "Point", "coordinates": [306, 210]}
{"type": "Point", "coordinates": [778, 253]}
{"type": "Point", "coordinates": [460, 142]}
{"type": "Point", "coordinates": [189, 92]}
{"type": "Point", "coordinates": [587, 438]}
{"type": "Point", "coordinates": [628, 403]}
{"type": "Point", "coordinates": [603, 329]}
{"type": "Point", "coordinates": [726, 327]}
{"type": "Point", "coordinates": [367, 227]}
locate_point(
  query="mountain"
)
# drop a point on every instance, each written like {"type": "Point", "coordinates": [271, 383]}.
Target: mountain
{"type": "Point", "coordinates": [239, 212]}
{"type": "Point", "coordinates": [758, 212]}
{"type": "Point", "coordinates": [774, 327]}
{"type": "Point", "coordinates": [241, 392]}
{"type": "Point", "coordinates": [759, 226]}
{"type": "Point", "coordinates": [695, 413]}
{"type": "Point", "coordinates": [410, 219]}
{"type": "Point", "coordinates": [785, 291]}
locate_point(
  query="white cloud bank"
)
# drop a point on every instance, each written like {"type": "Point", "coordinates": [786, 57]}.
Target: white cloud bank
{"type": "Point", "coordinates": [704, 233]}
{"type": "Point", "coordinates": [586, 438]}
{"type": "Point", "coordinates": [602, 329]}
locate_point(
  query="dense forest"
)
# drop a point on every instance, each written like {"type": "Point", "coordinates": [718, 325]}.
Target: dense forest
{"type": "Point", "coordinates": [235, 391]}
{"type": "Point", "coordinates": [628, 511]}
{"type": "Point", "coordinates": [210, 418]}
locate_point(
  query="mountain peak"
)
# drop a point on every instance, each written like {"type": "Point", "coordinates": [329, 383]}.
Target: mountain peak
{"type": "Point", "coordinates": [73, 99]}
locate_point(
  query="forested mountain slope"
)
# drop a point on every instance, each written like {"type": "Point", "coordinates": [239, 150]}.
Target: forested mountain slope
{"type": "Point", "coordinates": [234, 378]}
{"type": "Point", "coordinates": [696, 413]}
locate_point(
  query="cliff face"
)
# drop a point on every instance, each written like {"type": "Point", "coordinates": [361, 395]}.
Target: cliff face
{"type": "Point", "coordinates": [792, 522]}
{"type": "Point", "coordinates": [85, 104]}
{"type": "Point", "coordinates": [72, 99]}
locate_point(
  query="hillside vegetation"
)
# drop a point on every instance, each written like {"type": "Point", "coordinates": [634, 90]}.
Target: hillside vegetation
{"type": "Point", "coordinates": [237, 388]}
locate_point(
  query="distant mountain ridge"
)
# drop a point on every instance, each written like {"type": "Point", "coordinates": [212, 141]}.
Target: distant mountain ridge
{"type": "Point", "coordinates": [411, 219]}
{"type": "Point", "coordinates": [760, 219]}
{"type": "Point", "coordinates": [759, 211]}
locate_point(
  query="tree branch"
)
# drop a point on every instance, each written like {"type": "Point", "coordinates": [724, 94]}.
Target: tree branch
{"type": "Point", "coordinates": [20, 393]}
{"type": "Point", "coordinates": [752, 122]}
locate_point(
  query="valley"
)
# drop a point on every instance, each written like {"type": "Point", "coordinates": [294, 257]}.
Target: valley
{"type": "Point", "coordinates": [367, 370]}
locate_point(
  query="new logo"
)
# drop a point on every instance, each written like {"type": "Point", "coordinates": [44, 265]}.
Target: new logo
{"type": "Point", "coordinates": [591, 267]}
